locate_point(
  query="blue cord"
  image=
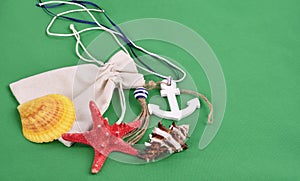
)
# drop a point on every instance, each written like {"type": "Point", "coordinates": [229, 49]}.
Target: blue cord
{"type": "Point", "coordinates": [124, 37]}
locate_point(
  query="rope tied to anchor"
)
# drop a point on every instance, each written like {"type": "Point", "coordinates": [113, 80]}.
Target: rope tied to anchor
{"type": "Point", "coordinates": [134, 136]}
{"type": "Point", "coordinates": [155, 85]}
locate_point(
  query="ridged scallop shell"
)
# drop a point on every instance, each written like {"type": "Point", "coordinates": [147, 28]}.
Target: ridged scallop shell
{"type": "Point", "coordinates": [46, 118]}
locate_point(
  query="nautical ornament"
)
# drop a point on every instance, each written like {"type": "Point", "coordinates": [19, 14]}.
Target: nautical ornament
{"type": "Point", "coordinates": [141, 95]}
{"type": "Point", "coordinates": [170, 91]}
{"type": "Point", "coordinates": [46, 118]}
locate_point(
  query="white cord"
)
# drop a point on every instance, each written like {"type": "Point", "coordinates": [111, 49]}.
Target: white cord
{"type": "Point", "coordinates": [163, 59]}
{"type": "Point", "coordinates": [122, 102]}
{"type": "Point", "coordinates": [79, 10]}
{"type": "Point", "coordinates": [112, 32]}
{"type": "Point", "coordinates": [63, 13]}
{"type": "Point", "coordinates": [77, 36]}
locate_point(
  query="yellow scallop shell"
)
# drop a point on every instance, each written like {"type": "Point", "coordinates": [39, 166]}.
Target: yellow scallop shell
{"type": "Point", "coordinates": [47, 118]}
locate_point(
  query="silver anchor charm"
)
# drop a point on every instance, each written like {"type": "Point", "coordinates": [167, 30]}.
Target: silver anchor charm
{"type": "Point", "coordinates": [170, 91]}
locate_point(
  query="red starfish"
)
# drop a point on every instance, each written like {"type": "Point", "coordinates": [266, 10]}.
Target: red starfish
{"type": "Point", "coordinates": [104, 138]}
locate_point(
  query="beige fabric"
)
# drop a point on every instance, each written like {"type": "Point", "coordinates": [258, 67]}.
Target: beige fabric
{"type": "Point", "coordinates": [82, 83]}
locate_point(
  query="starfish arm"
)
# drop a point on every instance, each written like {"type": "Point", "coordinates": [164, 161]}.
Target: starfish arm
{"type": "Point", "coordinates": [131, 126]}
{"type": "Point", "coordinates": [121, 130]}
{"type": "Point", "coordinates": [75, 137]}
{"type": "Point", "coordinates": [99, 160]}
{"type": "Point", "coordinates": [96, 115]}
{"type": "Point", "coordinates": [125, 148]}
{"type": "Point", "coordinates": [134, 124]}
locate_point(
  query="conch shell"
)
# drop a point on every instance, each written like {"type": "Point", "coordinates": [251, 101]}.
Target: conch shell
{"type": "Point", "coordinates": [46, 118]}
{"type": "Point", "coordinates": [164, 141]}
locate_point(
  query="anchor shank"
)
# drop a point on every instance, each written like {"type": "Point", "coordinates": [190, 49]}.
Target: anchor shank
{"type": "Point", "coordinates": [171, 96]}
{"type": "Point", "coordinates": [170, 91]}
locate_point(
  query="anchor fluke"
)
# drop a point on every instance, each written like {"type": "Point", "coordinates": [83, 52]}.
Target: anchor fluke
{"type": "Point", "coordinates": [170, 91]}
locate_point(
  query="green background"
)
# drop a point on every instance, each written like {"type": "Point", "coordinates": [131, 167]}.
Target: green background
{"type": "Point", "coordinates": [258, 45]}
